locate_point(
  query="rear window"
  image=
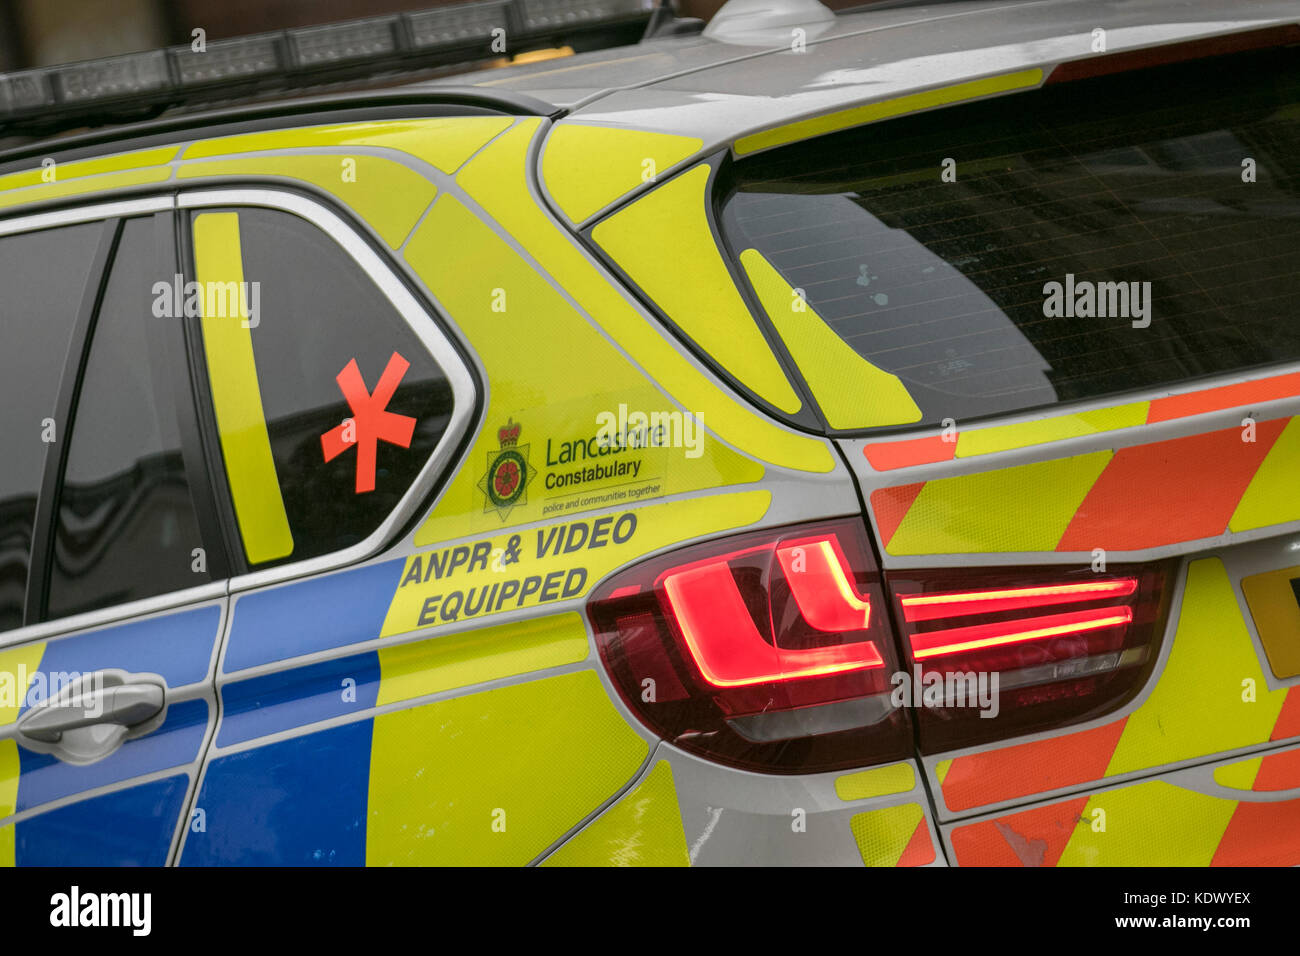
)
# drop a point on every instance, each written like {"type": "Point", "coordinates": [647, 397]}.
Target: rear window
{"type": "Point", "coordinates": [1089, 238]}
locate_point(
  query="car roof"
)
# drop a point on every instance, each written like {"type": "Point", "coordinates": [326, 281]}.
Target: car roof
{"type": "Point", "coordinates": [721, 91]}
{"type": "Point", "coordinates": [741, 75]}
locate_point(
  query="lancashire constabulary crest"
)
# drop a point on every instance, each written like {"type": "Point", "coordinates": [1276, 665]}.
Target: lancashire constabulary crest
{"type": "Point", "coordinates": [508, 473]}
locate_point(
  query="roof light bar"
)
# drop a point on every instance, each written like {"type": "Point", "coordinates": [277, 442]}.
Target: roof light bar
{"type": "Point", "coordinates": [461, 25]}
{"type": "Point", "coordinates": [89, 92]}
{"type": "Point", "coordinates": [227, 60]}
{"type": "Point", "coordinates": [115, 76]}
{"type": "Point", "coordinates": [344, 42]}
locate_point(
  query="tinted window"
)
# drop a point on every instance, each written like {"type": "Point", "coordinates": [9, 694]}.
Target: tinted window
{"type": "Point", "coordinates": [43, 275]}
{"type": "Point", "coordinates": [125, 527]}
{"type": "Point", "coordinates": [1135, 179]}
{"type": "Point", "coordinates": [314, 315]}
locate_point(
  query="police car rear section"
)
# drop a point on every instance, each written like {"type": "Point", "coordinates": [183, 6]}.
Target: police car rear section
{"type": "Point", "coordinates": [1063, 342]}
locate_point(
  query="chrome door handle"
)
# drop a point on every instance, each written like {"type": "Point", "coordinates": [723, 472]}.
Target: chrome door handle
{"type": "Point", "coordinates": [105, 697]}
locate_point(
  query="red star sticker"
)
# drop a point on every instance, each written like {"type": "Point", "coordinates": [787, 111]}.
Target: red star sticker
{"type": "Point", "coordinates": [371, 421]}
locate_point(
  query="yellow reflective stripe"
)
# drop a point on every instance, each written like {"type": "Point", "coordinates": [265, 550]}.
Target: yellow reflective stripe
{"type": "Point", "coordinates": [101, 165]}
{"type": "Point", "coordinates": [586, 168]}
{"type": "Point", "coordinates": [1240, 775]}
{"type": "Point", "coordinates": [497, 777]}
{"type": "Point", "coordinates": [1150, 824]}
{"type": "Point", "coordinates": [88, 184]}
{"type": "Point", "coordinates": [664, 243]}
{"type": "Point", "coordinates": [237, 398]}
{"type": "Point", "coordinates": [642, 829]}
{"type": "Point", "coordinates": [9, 773]}
{"type": "Point", "coordinates": [388, 195]}
{"type": "Point", "coordinates": [18, 665]}
{"type": "Point", "coordinates": [407, 671]}
{"type": "Point", "coordinates": [851, 392]}
{"type": "Point", "coordinates": [445, 142]}
{"type": "Point", "coordinates": [657, 526]}
{"type": "Point", "coordinates": [498, 181]}
{"type": "Point", "coordinates": [941, 770]}
{"type": "Point", "coordinates": [883, 835]}
{"type": "Point", "coordinates": [1025, 508]}
{"type": "Point", "coordinates": [1212, 696]}
{"type": "Point", "coordinates": [877, 782]}
{"type": "Point", "coordinates": [986, 441]}
{"type": "Point", "coordinates": [1273, 495]}
{"type": "Point", "coordinates": [886, 109]}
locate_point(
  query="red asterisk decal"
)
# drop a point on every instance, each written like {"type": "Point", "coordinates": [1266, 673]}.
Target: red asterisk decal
{"type": "Point", "coordinates": [371, 421]}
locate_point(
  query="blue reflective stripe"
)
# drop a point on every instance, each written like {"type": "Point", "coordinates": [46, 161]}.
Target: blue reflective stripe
{"type": "Point", "coordinates": [174, 744]}
{"type": "Point", "coordinates": [297, 697]}
{"type": "Point", "coordinates": [318, 614]}
{"type": "Point", "coordinates": [299, 802]}
{"type": "Point", "coordinates": [132, 827]}
{"type": "Point", "coordinates": [177, 647]}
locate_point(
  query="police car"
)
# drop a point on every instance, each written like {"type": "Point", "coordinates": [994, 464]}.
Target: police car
{"type": "Point", "coordinates": [813, 439]}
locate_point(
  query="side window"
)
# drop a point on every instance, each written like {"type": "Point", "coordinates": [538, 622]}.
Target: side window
{"type": "Point", "coordinates": [326, 402]}
{"type": "Point", "coordinates": [125, 525]}
{"type": "Point", "coordinates": [44, 276]}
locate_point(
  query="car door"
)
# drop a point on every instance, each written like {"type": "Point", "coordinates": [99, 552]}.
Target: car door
{"type": "Point", "coordinates": [394, 690]}
{"type": "Point", "coordinates": [113, 570]}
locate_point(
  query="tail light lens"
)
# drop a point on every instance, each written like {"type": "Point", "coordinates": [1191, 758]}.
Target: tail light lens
{"type": "Point", "coordinates": [768, 651]}
{"type": "Point", "coordinates": [1065, 646]}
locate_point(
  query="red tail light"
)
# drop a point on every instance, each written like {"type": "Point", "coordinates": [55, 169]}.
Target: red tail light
{"type": "Point", "coordinates": [768, 651]}
{"type": "Point", "coordinates": [1065, 646]}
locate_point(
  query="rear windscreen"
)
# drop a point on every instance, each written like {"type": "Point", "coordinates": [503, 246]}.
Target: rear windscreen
{"type": "Point", "coordinates": [1089, 238]}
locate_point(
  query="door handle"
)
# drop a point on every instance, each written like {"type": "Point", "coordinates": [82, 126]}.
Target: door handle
{"type": "Point", "coordinates": [104, 697]}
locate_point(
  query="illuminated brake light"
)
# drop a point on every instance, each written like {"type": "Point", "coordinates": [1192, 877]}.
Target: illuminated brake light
{"type": "Point", "coordinates": [728, 648]}
{"type": "Point", "coordinates": [1064, 645]}
{"type": "Point", "coordinates": [815, 573]}
{"type": "Point", "coordinates": [929, 607]}
{"type": "Point", "coordinates": [759, 650]}
{"type": "Point", "coordinates": [980, 636]}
